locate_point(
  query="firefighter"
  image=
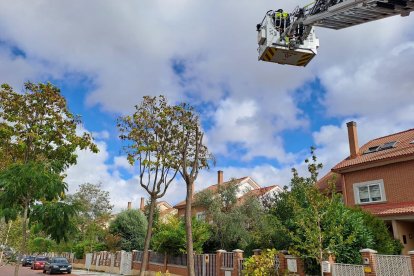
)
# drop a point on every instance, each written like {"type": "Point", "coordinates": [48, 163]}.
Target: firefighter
{"type": "Point", "coordinates": [282, 18]}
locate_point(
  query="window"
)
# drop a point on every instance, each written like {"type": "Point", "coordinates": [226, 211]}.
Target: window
{"type": "Point", "coordinates": [369, 192]}
{"type": "Point", "coordinates": [388, 145]}
{"type": "Point", "coordinates": [201, 216]}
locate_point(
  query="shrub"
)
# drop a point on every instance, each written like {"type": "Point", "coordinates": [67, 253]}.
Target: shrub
{"type": "Point", "coordinates": [261, 265]}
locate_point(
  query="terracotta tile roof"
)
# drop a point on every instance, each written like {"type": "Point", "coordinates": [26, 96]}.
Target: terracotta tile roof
{"type": "Point", "coordinates": [404, 148]}
{"type": "Point", "coordinates": [212, 188]}
{"type": "Point", "coordinates": [260, 191]}
{"type": "Point", "coordinates": [257, 192]}
{"type": "Point", "coordinates": [165, 203]}
{"type": "Point", "coordinates": [168, 211]}
{"type": "Point", "coordinates": [390, 209]}
{"type": "Point", "coordinates": [323, 183]}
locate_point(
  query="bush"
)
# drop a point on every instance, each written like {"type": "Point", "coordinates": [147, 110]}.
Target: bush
{"type": "Point", "coordinates": [131, 227]}
{"type": "Point", "coordinates": [261, 265]}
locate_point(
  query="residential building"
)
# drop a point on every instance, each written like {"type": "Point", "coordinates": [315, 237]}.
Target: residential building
{"type": "Point", "coordinates": [246, 186]}
{"type": "Point", "coordinates": [379, 177]}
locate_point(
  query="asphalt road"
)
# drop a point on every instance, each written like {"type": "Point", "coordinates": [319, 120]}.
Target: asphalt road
{"type": "Point", "coordinates": [8, 270]}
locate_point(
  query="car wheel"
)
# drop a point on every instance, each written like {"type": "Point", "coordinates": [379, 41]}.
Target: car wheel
{"type": "Point", "coordinates": [50, 271]}
{"type": "Point", "coordinates": [69, 271]}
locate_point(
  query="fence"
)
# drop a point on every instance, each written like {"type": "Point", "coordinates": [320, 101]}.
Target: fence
{"type": "Point", "coordinates": [347, 270]}
{"type": "Point", "coordinates": [387, 265]}
{"type": "Point", "coordinates": [232, 263]}
{"type": "Point", "coordinates": [227, 260]}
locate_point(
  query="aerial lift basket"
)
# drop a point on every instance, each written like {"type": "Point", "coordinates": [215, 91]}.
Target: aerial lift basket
{"type": "Point", "coordinates": [277, 49]}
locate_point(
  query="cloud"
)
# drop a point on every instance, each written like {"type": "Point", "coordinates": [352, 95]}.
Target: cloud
{"type": "Point", "coordinates": [96, 168]}
{"type": "Point", "coordinates": [129, 48]}
{"type": "Point", "coordinates": [101, 135]}
{"type": "Point", "coordinates": [247, 125]}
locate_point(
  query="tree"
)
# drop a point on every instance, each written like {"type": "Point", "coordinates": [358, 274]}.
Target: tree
{"type": "Point", "coordinates": [94, 213]}
{"type": "Point", "coordinates": [235, 222]}
{"type": "Point", "coordinates": [130, 226]}
{"type": "Point", "coordinates": [40, 244]}
{"type": "Point", "coordinates": [151, 135]}
{"type": "Point", "coordinates": [311, 224]}
{"type": "Point", "coordinates": [170, 237]}
{"type": "Point", "coordinates": [193, 156]}
{"type": "Point", "coordinates": [38, 135]}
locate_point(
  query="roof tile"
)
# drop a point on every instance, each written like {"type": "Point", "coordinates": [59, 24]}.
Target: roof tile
{"type": "Point", "coordinates": [403, 148]}
{"type": "Point", "coordinates": [390, 209]}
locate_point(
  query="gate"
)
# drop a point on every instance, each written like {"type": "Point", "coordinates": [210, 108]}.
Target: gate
{"type": "Point", "coordinates": [126, 263]}
{"type": "Point", "coordinates": [390, 265]}
{"type": "Point", "coordinates": [347, 270]}
{"type": "Point", "coordinates": [205, 264]}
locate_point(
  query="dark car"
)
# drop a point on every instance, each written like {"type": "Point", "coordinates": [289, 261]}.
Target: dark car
{"type": "Point", "coordinates": [39, 262]}
{"type": "Point", "coordinates": [57, 264]}
{"type": "Point", "coordinates": [28, 260]}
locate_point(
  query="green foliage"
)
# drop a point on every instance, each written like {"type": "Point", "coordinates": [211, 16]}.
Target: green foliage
{"type": "Point", "coordinates": [235, 224]}
{"type": "Point", "coordinates": [55, 219]}
{"type": "Point", "coordinates": [382, 240]}
{"type": "Point", "coordinates": [170, 237]}
{"type": "Point", "coordinates": [81, 248]}
{"type": "Point", "coordinates": [93, 215]}
{"type": "Point", "coordinates": [130, 226]}
{"type": "Point", "coordinates": [40, 244]}
{"type": "Point", "coordinates": [38, 126]}
{"type": "Point", "coordinates": [93, 202]}
{"type": "Point", "coordinates": [150, 134]}
{"type": "Point", "coordinates": [38, 142]}
{"type": "Point", "coordinates": [23, 184]}
{"type": "Point", "coordinates": [311, 224]}
{"type": "Point", "coordinates": [261, 265]}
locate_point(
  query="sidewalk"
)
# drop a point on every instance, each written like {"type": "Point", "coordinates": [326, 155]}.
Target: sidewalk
{"type": "Point", "coordinates": [92, 273]}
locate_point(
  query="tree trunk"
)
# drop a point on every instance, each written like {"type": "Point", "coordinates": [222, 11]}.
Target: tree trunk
{"type": "Point", "coordinates": [5, 243]}
{"type": "Point", "coordinates": [188, 229]}
{"type": "Point", "coordinates": [144, 262]}
{"type": "Point", "coordinates": [23, 245]}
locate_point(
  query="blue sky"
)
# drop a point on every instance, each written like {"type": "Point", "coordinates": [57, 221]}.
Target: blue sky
{"type": "Point", "coordinates": [259, 118]}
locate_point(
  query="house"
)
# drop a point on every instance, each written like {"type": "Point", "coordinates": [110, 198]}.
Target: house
{"type": "Point", "coordinates": [246, 186]}
{"type": "Point", "coordinates": [379, 177]}
{"type": "Point", "coordinates": [165, 209]}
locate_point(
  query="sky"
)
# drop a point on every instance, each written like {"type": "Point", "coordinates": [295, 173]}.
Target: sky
{"type": "Point", "coordinates": [260, 119]}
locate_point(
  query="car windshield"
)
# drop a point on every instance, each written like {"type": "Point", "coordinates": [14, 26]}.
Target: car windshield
{"type": "Point", "coordinates": [60, 260]}
{"type": "Point", "coordinates": [41, 258]}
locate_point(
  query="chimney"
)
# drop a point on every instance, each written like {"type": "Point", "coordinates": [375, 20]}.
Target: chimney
{"type": "Point", "coordinates": [129, 205]}
{"type": "Point", "coordinates": [142, 206]}
{"type": "Point", "coordinates": [220, 177]}
{"type": "Point", "coordinates": [353, 139]}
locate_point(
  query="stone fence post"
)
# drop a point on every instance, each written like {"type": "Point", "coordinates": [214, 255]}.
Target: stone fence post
{"type": "Point", "coordinates": [219, 260]}
{"type": "Point", "coordinates": [368, 259]}
{"type": "Point", "coordinates": [237, 256]}
{"type": "Point", "coordinates": [411, 254]}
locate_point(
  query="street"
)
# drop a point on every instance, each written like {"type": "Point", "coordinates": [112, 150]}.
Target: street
{"type": "Point", "coordinates": [8, 270]}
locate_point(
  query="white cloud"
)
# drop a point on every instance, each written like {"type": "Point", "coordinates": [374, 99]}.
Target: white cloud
{"type": "Point", "coordinates": [93, 168]}
{"type": "Point", "coordinates": [127, 47]}
{"type": "Point", "coordinates": [246, 123]}
{"type": "Point", "coordinates": [101, 135]}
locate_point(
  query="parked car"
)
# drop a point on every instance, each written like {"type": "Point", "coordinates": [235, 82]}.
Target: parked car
{"type": "Point", "coordinates": [57, 264]}
{"type": "Point", "coordinates": [39, 262]}
{"type": "Point", "coordinates": [28, 260]}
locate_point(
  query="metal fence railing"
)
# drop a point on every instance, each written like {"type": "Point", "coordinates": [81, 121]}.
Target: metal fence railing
{"type": "Point", "coordinates": [157, 258]}
{"type": "Point", "coordinates": [177, 260]}
{"type": "Point", "coordinates": [227, 260]}
{"type": "Point", "coordinates": [347, 270]}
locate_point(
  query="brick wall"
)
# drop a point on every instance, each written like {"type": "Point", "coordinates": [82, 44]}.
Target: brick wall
{"type": "Point", "coordinates": [398, 181]}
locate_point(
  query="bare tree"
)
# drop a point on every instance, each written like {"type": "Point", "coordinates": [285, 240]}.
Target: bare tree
{"type": "Point", "coordinates": [194, 156]}
{"type": "Point", "coordinates": [151, 136]}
